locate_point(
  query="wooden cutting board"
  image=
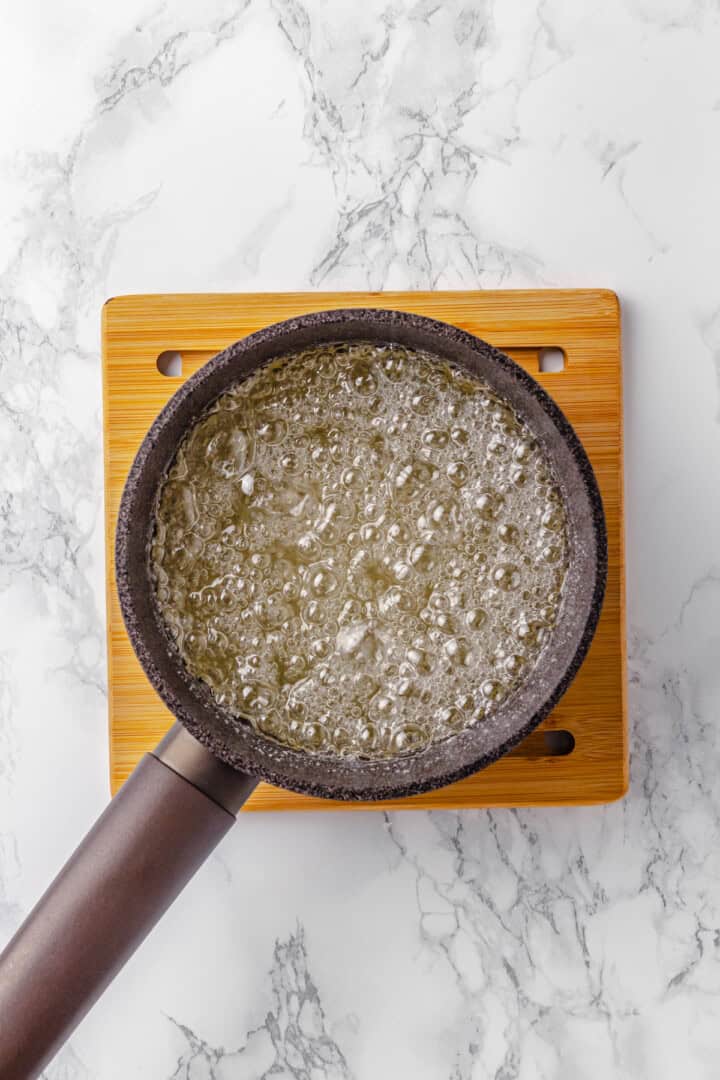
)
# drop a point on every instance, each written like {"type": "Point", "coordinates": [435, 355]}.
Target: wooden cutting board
{"type": "Point", "coordinates": [584, 323]}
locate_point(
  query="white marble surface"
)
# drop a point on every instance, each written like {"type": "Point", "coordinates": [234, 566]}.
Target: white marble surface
{"type": "Point", "coordinates": [222, 145]}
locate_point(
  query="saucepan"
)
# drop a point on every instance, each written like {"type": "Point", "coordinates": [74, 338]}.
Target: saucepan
{"type": "Point", "coordinates": [183, 797]}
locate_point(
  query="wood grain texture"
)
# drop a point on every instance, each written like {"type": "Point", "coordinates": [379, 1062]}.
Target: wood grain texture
{"type": "Point", "coordinates": [585, 323]}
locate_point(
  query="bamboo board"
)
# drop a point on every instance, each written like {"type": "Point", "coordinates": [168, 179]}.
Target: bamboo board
{"type": "Point", "coordinates": [585, 323]}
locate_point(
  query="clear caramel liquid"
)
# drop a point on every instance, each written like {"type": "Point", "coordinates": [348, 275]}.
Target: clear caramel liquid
{"type": "Point", "coordinates": [360, 549]}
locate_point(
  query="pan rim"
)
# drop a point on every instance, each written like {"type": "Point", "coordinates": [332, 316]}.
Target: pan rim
{"type": "Point", "coordinates": [255, 754]}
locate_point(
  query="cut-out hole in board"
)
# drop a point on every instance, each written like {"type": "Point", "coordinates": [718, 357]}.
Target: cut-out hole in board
{"type": "Point", "coordinates": [170, 363]}
{"type": "Point", "coordinates": [552, 360]}
{"type": "Point", "coordinates": [558, 743]}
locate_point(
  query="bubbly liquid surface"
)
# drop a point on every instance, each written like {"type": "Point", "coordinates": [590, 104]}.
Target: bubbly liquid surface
{"type": "Point", "coordinates": [360, 549]}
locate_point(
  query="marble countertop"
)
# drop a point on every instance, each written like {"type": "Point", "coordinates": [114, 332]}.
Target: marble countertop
{"type": "Point", "coordinates": [247, 146]}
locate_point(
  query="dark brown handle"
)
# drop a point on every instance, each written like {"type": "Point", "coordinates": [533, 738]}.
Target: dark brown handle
{"type": "Point", "coordinates": [127, 871]}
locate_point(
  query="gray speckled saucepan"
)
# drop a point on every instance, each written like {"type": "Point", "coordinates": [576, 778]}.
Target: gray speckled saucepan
{"type": "Point", "coordinates": [182, 798]}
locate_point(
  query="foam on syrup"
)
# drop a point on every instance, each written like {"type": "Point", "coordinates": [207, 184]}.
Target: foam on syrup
{"type": "Point", "coordinates": [361, 550]}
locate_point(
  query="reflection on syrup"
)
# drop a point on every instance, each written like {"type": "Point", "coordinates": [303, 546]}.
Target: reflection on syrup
{"type": "Point", "coordinates": [360, 549]}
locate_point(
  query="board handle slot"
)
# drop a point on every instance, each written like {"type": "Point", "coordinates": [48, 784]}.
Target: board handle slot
{"type": "Point", "coordinates": [170, 363]}
{"type": "Point", "coordinates": [541, 744]}
{"type": "Point", "coordinates": [552, 360]}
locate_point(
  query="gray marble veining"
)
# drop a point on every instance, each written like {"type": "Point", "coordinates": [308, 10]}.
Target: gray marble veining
{"type": "Point", "coordinates": [229, 146]}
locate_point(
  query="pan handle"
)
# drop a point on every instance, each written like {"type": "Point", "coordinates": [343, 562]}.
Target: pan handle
{"type": "Point", "coordinates": [161, 826]}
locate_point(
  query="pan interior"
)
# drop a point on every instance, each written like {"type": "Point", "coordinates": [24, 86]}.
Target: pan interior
{"type": "Point", "coordinates": [438, 763]}
{"type": "Point", "coordinates": [360, 549]}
